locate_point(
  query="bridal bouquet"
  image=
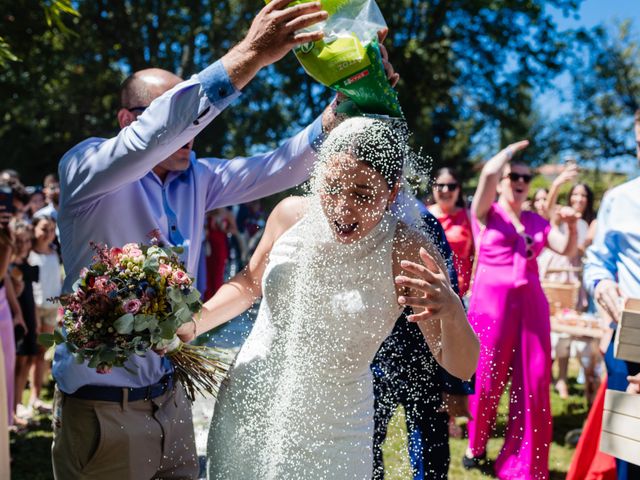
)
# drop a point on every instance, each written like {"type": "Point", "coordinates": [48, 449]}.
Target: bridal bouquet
{"type": "Point", "coordinates": [132, 300]}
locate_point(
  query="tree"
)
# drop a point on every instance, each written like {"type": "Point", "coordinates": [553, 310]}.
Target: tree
{"type": "Point", "coordinates": [54, 13]}
{"type": "Point", "coordinates": [468, 68]}
{"type": "Point", "coordinates": [606, 79]}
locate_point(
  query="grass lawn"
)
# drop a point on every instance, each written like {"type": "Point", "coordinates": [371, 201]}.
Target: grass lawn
{"type": "Point", "coordinates": [567, 415]}
{"type": "Point", "coordinates": [31, 451]}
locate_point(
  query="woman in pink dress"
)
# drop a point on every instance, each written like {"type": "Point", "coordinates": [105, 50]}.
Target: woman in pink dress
{"type": "Point", "coordinates": [510, 315]}
{"type": "Point", "coordinates": [450, 211]}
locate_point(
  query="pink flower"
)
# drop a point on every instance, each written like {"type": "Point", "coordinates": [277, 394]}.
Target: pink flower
{"type": "Point", "coordinates": [180, 278]}
{"type": "Point", "coordinates": [75, 307]}
{"type": "Point", "coordinates": [164, 269]}
{"type": "Point", "coordinates": [132, 306]}
{"type": "Point", "coordinates": [103, 369]}
{"type": "Point", "coordinates": [103, 284]}
{"type": "Point", "coordinates": [132, 250]}
{"type": "Point", "coordinates": [115, 253]}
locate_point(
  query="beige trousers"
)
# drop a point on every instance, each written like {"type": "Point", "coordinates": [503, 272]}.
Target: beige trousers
{"type": "Point", "coordinates": [146, 439]}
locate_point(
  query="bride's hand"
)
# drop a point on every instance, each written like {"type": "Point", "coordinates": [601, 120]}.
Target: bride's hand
{"type": "Point", "coordinates": [187, 331]}
{"type": "Point", "coordinates": [434, 297]}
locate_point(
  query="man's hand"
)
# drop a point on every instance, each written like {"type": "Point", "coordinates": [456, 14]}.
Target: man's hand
{"type": "Point", "coordinates": [330, 117]}
{"type": "Point", "coordinates": [436, 298]}
{"type": "Point", "coordinates": [392, 76]}
{"type": "Point", "coordinates": [634, 384]}
{"type": "Point", "coordinates": [608, 295]}
{"type": "Point", "coordinates": [273, 33]}
{"type": "Point", "coordinates": [276, 29]}
{"type": "Point", "coordinates": [456, 405]}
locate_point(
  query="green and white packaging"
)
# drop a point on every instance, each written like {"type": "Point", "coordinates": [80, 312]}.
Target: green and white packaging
{"type": "Point", "coordinates": [348, 58]}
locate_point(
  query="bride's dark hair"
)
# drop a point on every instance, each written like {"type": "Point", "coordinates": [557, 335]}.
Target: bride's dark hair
{"type": "Point", "coordinates": [380, 144]}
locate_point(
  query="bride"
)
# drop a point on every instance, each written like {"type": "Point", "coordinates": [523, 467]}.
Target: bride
{"type": "Point", "coordinates": [333, 275]}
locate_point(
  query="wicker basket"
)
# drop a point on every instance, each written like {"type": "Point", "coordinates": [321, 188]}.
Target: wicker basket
{"type": "Point", "coordinates": [561, 295]}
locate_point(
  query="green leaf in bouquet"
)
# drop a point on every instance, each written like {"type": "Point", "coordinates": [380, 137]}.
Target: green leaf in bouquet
{"type": "Point", "coordinates": [183, 314]}
{"type": "Point", "coordinates": [156, 336]}
{"type": "Point", "coordinates": [178, 250]}
{"type": "Point", "coordinates": [167, 329]}
{"type": "Point", "coordinates": [151, 264]}
{"type": "Point", "coordinates": [124, 324]}
{"type": "Point", "coordinates": [47, 340]}
{"type": "Point", "coordinates": [108, 356]}
{"type": "Point", "coordinates": [78, 357]}
{"type": "Point", "coordinates": [144, 322]}
{"type": "Point", "coordinates": [58, 337]}
{"type": "Point", "coordinates": [174, 295]}
{"type": "Point", "coordinates": [195, 307]}
{"type": "Point", "coordinates": [94, 361]}
{"type": "Point", "coordinates": [155, 251]}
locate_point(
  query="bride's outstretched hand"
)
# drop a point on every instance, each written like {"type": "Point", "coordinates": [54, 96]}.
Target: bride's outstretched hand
{"type": "Point", "coordinates": [432, 296]}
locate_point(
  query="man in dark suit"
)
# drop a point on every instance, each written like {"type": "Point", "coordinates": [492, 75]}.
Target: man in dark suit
{"type": "Point", "coordinates": [406, 373]}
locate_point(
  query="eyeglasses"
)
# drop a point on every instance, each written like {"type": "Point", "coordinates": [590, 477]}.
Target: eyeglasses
{"type": "Point", "coordinates": [514, 177]}
{"type": "Point", "coordinates": [450, 187]}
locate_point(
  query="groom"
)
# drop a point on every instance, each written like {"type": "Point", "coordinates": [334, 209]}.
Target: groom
{"type": "Point", "coordinates": [135, 424]}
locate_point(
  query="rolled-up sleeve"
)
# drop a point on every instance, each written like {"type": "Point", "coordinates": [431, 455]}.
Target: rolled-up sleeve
{"type": "Point", "coordinates": [602, 256]}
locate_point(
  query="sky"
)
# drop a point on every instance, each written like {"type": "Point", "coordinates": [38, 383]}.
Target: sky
{"type": "Point", "coordinates": [591, 13]}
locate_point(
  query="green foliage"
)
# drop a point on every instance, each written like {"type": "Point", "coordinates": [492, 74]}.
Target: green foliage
{"type": "Point", "coordinates": [606, 79]}
{"type": "Point", "coordinates": [468, 67]}
{"type": "Point", "coordinates": [55, 12]}
{"type": "Point", "coordinates": [599, 182]}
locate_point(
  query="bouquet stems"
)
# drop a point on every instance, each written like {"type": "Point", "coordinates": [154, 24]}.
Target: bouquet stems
{"type": "Point", "coordinates": [200, 369]}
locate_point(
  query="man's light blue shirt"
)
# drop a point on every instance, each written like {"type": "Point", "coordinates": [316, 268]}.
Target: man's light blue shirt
{"type": "Point", "coordinates": [615, 252]}
{"type": "Point", "coordinates": [109, 194]}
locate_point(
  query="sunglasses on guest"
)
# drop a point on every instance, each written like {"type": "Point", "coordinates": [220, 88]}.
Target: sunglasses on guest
{"type": "Point", "coordinates": [450, 187]}
{"type": "Point", "coordinates": [514, 177]}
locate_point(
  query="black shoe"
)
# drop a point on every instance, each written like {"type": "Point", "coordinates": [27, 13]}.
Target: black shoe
{"type": "Point", "coordinates": [474, 462]}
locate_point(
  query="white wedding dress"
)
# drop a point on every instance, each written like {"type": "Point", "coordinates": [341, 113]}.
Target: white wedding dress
{"type": "Point", "coordinates": [298, 403]}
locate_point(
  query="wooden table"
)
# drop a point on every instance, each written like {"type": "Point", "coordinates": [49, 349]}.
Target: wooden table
{"type": "Point", "coordinates": [575, 326]}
